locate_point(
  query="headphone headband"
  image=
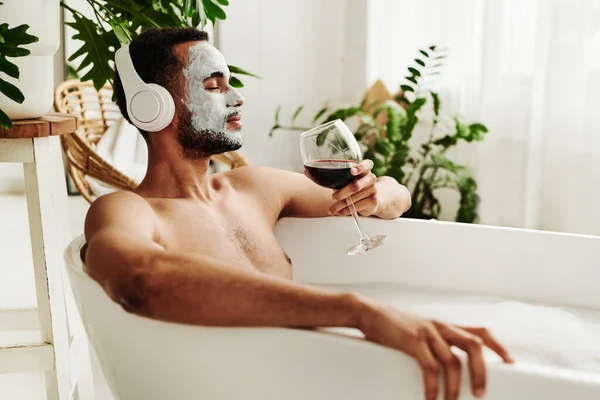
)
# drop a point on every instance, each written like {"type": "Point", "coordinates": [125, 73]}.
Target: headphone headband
{"type": "Point", "coordinates": [130, 80]}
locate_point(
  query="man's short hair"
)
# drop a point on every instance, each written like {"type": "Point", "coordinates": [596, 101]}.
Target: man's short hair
{"type": "Point", "coordinates": [155, 61]}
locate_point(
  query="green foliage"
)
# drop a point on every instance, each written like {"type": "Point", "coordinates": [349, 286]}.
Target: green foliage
{"type": "Point", "coordinates": [11, 42]}
{"type": "Point", "coordinates": [235, 82]}
{"type": "Point", "coordinates": [5, 122]}
{"type": "Point", "coordinates": [389, 143]}
{"type": "Point", "coordinates": [411, 116]}
{"type": "Point", "coordinates": [298, 111]}
{"type": "Point", "coordinates": [319, 114]}
{"type": "Point", "coordinates": [396, 120]}
{"type": "Point", "coordinates": [240, 71]}
{"type": "Point", "coordinates": [469, 200]}
{"type": "Point", "coordinates": [213, 11]}
{"type": "Point", "coordinates": [436, 104]}
{"type": "Point", "coordinates": [117, 22]}
{"type": "Point", "coordinates": [95, 48]}
{"type": "Point", "coordinates": [277, 114]}
{"type": "Point", "coordinates": [345, 113]}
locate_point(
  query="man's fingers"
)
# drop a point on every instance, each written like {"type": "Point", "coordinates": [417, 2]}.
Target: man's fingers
{"type": "Point", "coordinates": [355, 187]}
{"type": "Point", "coordinates": [472, 345]}
{"type": "Point", "coordinates": [362, 167]}
{"type": "Point", "coordinates": [366, 207]}
{"type": "Point", "coordinates": [450, 363]}
{"type": "Point", "coordinates": [431, 370]}
{"type": "Point", "coordinates": [490, 341]}
{"type": "Point", "coordinates": [342, 204]}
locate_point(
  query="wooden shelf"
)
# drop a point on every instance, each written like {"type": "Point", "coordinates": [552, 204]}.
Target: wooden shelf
{"type": "Point", "coordinates": [51, 124]}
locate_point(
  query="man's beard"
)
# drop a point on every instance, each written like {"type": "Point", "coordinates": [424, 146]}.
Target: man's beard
{"type": "Point", "coordinates": [201, 144]}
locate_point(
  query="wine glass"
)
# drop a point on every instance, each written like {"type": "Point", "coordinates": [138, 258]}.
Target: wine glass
{"type": "Point", "coordinates": [329, 152]}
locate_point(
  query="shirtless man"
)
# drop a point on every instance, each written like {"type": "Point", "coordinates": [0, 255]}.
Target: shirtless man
{"type": "Point", "coordinates": [195, 248]}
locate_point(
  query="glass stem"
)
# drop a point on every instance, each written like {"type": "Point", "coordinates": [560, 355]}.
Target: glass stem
{"type": "Point", "coordinates": [363, 237]}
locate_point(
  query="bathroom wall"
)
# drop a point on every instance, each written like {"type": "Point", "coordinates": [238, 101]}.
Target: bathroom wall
{"type": "Point", "coordinates": [307, 52]}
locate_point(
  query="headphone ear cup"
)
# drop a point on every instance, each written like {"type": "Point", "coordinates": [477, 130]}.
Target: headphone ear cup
{"type": "Point", "coordinates": [167, 108]}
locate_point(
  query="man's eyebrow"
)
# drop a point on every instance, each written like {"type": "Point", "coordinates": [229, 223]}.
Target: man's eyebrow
{"type": "Point", "coordinates": [216, 74]}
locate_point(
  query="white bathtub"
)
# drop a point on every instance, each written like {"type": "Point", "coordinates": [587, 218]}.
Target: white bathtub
{"type": "Point", "coordinates": [451, 271]}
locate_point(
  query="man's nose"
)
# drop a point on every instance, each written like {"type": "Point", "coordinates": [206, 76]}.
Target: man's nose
{"type": "Point", "coordinates": [239, 101]}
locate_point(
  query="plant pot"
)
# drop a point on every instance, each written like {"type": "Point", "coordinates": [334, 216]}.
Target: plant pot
{"type": "Point", "coordinates": [36, 79]}
{"type": "Point", "coordinates": [36, 83]}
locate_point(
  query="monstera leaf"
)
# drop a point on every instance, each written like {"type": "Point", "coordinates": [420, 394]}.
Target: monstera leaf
{"type": "Point", "coordinates": [11, 40]}
{"type": "Point", "coordinates": [213, 10]}
{"type": "Point", "coordinates": [95, 48]}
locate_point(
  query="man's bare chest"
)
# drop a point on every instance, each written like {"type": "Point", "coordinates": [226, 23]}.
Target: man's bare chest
{"type": "Point", "coordinates": [236, 232]}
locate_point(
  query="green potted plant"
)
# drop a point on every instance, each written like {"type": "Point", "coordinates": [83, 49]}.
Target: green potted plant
{"type": "Point", "coordinates": [385, 130]}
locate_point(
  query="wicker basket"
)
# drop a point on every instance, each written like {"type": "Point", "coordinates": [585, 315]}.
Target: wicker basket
{"type": "Point", "coordinates": [96, 112]}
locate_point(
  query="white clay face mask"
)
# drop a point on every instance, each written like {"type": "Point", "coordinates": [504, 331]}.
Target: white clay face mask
{"type": "Point", "coordinates": [210, 110]}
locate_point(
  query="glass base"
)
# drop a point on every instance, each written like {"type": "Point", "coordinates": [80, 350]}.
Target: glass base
{"type": "Point", "coordinates": [367, 245]}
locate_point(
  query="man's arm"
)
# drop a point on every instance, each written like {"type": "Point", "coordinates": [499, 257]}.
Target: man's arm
{"type": "Point", "coordinates": [299, 196]}
{"type": "Point", "coordinates": [147, 279]}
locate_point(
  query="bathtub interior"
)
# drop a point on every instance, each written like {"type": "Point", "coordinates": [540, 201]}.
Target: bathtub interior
{"type": "Point", "coordinates": [534, 295]}
{"type": "Point", "coordinates": [562, 338]}
{"type": "Point", "coordinates": [532, 266]}
{"type": "Point", "coordinates": [536, 291]}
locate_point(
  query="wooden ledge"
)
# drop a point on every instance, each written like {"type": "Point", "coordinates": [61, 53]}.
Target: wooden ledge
{"type": "Point", "coordinates": [51, 124]}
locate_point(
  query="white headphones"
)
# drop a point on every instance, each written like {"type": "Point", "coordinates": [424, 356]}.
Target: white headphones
{"type": "Point", "coordinates": [150, 106]}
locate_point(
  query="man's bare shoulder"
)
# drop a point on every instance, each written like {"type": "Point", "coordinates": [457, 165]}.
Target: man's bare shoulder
{"type": "Point", "coordinates": [119, 210]}
{"type": "Point", "coordinates": [254, 175]}
{"type": "Point", "coordinates": [287, 193]}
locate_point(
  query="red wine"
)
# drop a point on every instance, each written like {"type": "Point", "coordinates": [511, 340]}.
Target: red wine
{"type": "Point", "coordinates": [333, 174]}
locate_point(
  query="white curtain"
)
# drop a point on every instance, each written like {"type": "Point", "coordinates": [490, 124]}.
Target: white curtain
{"type": "Point", "coordinates": [530, 71]}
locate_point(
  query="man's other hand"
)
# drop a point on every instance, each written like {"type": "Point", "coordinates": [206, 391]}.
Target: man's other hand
{"type": "Point", "coordinates": [429, 342]}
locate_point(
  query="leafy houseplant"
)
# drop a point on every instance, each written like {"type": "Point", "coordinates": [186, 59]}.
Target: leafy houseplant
{"type": "Point", "coordinates": [11, 40]}
{"type": "Point", "coordinates": [115, 22]}
{"type": "Point", "coordinates": [385, 131]}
